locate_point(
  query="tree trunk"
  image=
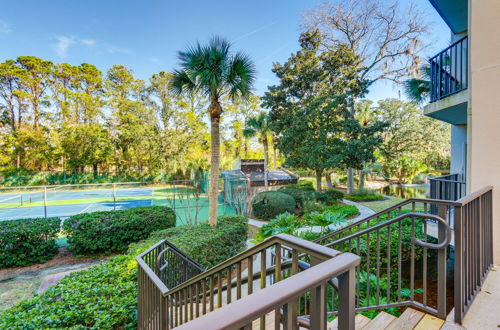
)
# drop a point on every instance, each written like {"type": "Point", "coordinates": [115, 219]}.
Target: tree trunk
{"type": "Point", "coordinates": [362, 176]}
{"type": "Point", "coordinates": [95, 168]}
{"type": "Point", "coordinates": [350, 180]}
{"type": "Point", "coordinates": [266, 160]}
{"type": "Point", "coordinates": [319, 175]}
{"type": "Point", "coordinates": [275, 156]}
{"type": "Point", "coordinates": [328, 178]}
{"type": "Point", "coordinates": [215, 112]}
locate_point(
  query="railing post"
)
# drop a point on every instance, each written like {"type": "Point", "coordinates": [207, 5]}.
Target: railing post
{"type": "Point", "coordinates": [318, 303]}
{"type": "Point", "coordinates": [346, 300]}
{"type": "Point", "coordinates": [458, 285]}
{"type": "Point", "coordinates": [441, 299]}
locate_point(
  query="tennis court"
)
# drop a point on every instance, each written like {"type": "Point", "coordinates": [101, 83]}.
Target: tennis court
{"type": "Point", "coordinates": [189, 203]}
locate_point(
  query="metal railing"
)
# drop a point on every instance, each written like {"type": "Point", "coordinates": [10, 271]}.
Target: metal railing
{"type": "Point", "coordinates": [449, 70]}
{"type": "Point", "coordinates": [272, 294]}
{"type": "Point", "coordinates": [473, 247]}
{"type": "Point", "coordinates": [161, 267]}
{"type": "Point", "coordinates": [450, 187]}
{"type": "Point", "coordinates": [471, 220]}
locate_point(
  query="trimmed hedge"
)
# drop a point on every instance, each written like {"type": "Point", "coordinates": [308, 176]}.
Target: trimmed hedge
{"type": "Point", "coordinates": [105, 296]}
{"type": "Point", "coordinates": [206, 245]}
{"type": "Point", "coordinates": [334, 196]}
{"type": "Point", "coordinates": [112, 231]}
{"type": "Point", "coordinates": [27, 241]}
{"type": "Point", "coordinates": [268, 204]}
{"type": "Point", "coordinates": [102, 297]}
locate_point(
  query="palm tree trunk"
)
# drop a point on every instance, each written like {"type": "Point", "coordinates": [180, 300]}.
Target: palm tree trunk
{"type": "Point", "coordinates": [215, 111]}
{"type": "Point", "coordinates": [266, 160]}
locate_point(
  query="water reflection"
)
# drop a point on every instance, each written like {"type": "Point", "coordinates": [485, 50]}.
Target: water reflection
{"type": "Point", "coordinates": [406, 191]}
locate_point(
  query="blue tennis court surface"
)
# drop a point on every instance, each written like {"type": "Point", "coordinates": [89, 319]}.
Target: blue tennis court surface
{"type": "Point", "coordinates": [13, 210]}
{"type": "Point", "coordinates": [67, 210]}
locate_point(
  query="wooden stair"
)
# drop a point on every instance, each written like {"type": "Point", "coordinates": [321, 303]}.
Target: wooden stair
{"type": "Point", "coordinates": [409, 320]}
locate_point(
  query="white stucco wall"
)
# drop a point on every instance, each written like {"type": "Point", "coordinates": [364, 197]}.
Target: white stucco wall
{"type": "Point", "coordinates": [484, 104]}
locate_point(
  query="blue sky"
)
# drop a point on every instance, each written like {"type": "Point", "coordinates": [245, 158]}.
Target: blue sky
{"type": "Point", "coordinates": [145, 35]}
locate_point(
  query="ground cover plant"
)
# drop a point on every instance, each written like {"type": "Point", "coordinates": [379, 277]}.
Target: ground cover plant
{"type": "Point", "coordinates": [105, 296]}
{"type": "Point", "coordinates": [112, 231]}
{"type": "Point", "coordinates": [27, 241]}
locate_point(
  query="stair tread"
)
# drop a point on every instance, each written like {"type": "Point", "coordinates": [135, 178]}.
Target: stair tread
{"type": "Point", "coordinates": [359, 322]}
{"type": "Point", "coordinates": [381, 321]}
{"type": "Point", "coordinates": [451, 326]}
{"type": "Point", "coordinates": [406, 321]}
{"type": "Point", "coordinates": [429, 322]}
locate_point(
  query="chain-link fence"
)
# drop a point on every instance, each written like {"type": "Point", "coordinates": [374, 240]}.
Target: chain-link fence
{"type": "Point", "coordinates": [188, 198]}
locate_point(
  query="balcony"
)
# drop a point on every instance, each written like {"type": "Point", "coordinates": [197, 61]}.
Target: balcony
{"type": "Point", "coordinates": [447, 187]}
{"type": "Point", "coordinates": [449, 70]}
{"type": "Point", "coordinates": [448, 84]}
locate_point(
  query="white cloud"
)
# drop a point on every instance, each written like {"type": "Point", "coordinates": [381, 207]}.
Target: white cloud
{"type": "Point", "coordinates": [62, 46]}
{"type": "Point", "coordinates": [88, 42]}
{"type": "Point", "coordinates": [117, 50]}
{"type": "Point", "coordinates": [156, 60]}
{"type": "Point", "coordinates": [4, 28]}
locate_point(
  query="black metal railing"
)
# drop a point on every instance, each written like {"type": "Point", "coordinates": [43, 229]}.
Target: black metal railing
{"type": "Point", "coordinates": [449, 70]}
{"type": "Point", "coordinates": [450, 187]}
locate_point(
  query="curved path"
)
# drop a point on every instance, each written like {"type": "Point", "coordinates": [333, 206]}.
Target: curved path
{"type": "Point", "coordinates": [363, 213]}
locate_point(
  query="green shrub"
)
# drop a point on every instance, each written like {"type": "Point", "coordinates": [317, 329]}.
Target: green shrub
{"type": "Point", "coordinates": [112, 231]}
{"type": "Point", "coordinates": [206, 245]}
{"type": "Point", "coordinates": [347, 210]}
{"type": "Point", "coordinates": [268, 204]}
{"type": "Point", "coordinates": [102, 297]}
{"type": "Point", "coordinates": [364, 195]}
{"type": "Point", "coordinates": [302, 185]}
{"type": "Point", "coordinates": [310, 206]}
{"type": "Point", "coordinates": [27, 241]}
{"type": "Point", "coordinates": [334, 196]}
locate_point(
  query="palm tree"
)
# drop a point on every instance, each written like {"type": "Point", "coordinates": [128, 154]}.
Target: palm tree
{"type": "Point", "coordinates": [214, 71]}
{"type": "Point", "coordinates": [417, 89]}
{"type": "Point", "coordinates": [260, 126]}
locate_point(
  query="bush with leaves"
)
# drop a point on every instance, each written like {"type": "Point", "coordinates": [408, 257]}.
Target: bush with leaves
{"type": "Point", "coordinates": [268, 204]}
{"type": "Point", "coordinates": [206, 245]}
{"type": "Point", "coordinates": [112, 231]}
{"type": "Point", "coordinates": [102, 297]}
{"type": "Point", "coordinates": [27, 241]}
{"type": "Point", "coordinates": [364, 195]}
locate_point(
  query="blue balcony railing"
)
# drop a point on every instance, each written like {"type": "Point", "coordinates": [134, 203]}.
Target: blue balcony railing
{"type": "Point", "coordinates": [449, 70]}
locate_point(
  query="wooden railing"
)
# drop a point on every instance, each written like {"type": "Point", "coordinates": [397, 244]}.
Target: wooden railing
{"type": "Point", "coordinates": [449, 70]}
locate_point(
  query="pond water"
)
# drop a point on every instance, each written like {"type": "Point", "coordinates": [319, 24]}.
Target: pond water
{"type": "Point", "coordinates": [406, 191]}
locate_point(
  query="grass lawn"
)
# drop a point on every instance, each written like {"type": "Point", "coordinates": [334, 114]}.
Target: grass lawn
{"type": "Point", "coordinates": [13, 292]}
